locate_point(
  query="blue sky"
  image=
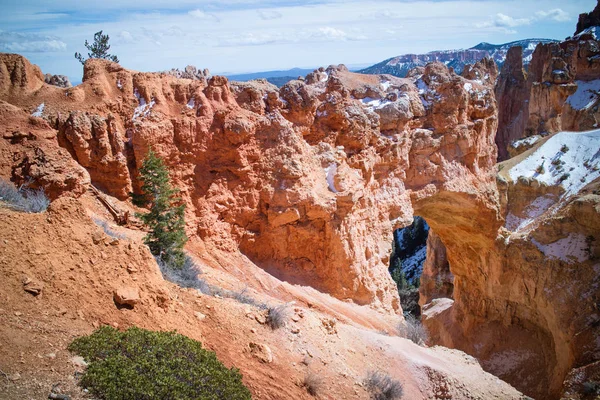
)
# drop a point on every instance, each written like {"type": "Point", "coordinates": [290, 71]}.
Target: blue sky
{"type": "Point", "coordinates": [232, 36]}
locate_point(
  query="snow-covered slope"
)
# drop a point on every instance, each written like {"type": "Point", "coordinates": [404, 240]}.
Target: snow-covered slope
{"type": "Point", "coordinates": [457, 59]}
{"type": "Point", "coordinates": [568, 159]}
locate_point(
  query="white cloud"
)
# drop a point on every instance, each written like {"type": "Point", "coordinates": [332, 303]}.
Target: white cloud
{"type": "Point", "coordinates": [503, 22]}
{"type": "Point", "coordinates": [269, 14]}
{"type": "Point", "coordinates": [199, 14]}
{"type": "Point", "coordinates": [29, 43]}
{"type": "Point", "coordinates": [556, 14]}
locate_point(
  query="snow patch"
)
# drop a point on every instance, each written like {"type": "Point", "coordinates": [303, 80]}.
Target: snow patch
{"type": "Point", "coordinates": [191, 104]}
{"type": "Point", "coordinates": [592, 30]}
{"type": "Point", "coordinates": [38, 111]}
{"type": "Point", "coordinates": [585, 96]}
{"type": "Point", "coordinates": [385, 85]}
{"type": "Point", "coordinates": [144, 108]}
{"type": "Point", "coordinates": [532, 211]}
{"type": "Point", "coordinates": [374, 104]}
{"type": "Point", "coordinates": [570, 249]}
{"type": "Point", "coordinates": [325, 77]}
{"type": "Point", "coordinates": [330, 172]}
{"type": "Point", "coordinates": [119, 84]}
{"type": "Point", "coordinates": [528, 141]}
{"type": "Point", "coordinates": [413, 265]}
{"type": "Point", "coordinates": [573, 168]}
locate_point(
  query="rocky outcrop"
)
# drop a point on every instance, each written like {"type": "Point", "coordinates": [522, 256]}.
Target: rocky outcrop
{"type": "Point", "coordinates": [57, 80]}
{"type": "Point", "coordinates": [561, 92]}
{"type": "Point", "coordinates": [189, 72]}
{"type": "Point", "coordinates": [512, 94]}
{"type": "Point", "coordinates": [436, 280]}
{"type": "Point", "coordinates": [587, 20]}
{"type": "Point", "coordinates": [309, 182]}
{"type": "Point", "coordinates": [286, 176]}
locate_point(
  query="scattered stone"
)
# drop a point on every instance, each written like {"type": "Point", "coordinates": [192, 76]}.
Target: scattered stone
{"type": "Point", "coordinates": [131, 269]}
{"type": "Point", "coordinates": [18, 313]}
{"type": "Point", "coordinates": [330, 325]}
{"type": "Point", "coordinates": [126, 296]}
{"type": "Point", "coordinates": [51, 356]}
{"type": "Point", "coordinates": [14, 377]}
{"type": "Point", "coordinates": [260, 318]}
{"type": "Point", "coordinates": [78, 361]}
{"type": "Point", "coordinates": [253, 330]}
{"type": "Point", "coordinates": [295, 331]}
{"type": "Point", "coordinates": [97, 237]}
{"type": "Point", "coordinates": [199, 315]}
{"type": "Point", "coordinates": [262, 352]}
{"type": "Point", "coordinates": [33, 287]}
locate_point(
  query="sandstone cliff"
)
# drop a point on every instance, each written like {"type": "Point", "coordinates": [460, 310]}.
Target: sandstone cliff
{"type": "Point", "coordinates": [308, 182]}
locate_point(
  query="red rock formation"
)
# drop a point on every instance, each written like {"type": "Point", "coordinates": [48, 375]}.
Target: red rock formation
{"type": "Point", "coordinates": [309, 182]}
{"type": "Point", "coordinates": [587, 20]}
{"type": "Point", "coordinates": [512, 94]}
{"type": "Point", "coordinates": [436, 280]}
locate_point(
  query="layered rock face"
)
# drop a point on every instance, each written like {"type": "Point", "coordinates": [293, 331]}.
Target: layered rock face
{"type": "Point", "coordinates": [512, 94]}
{"type": "Point", "coordinates": [558, 93]}
{"type": "Point", "coordinates": [308, 181]}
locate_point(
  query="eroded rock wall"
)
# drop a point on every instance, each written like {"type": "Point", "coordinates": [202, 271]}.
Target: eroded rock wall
{"type": "Point", "coordinates": [308, 181]}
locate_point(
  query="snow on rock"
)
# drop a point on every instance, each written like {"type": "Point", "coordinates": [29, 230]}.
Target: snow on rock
{"type": "Point", "coordinates": [374, 104]}
{"type": "Point", "coordinates": [585, 96]}
{"type": "Point", "coordinates": [38, 111]}
{"type": "Point", "coordinates": [592, 30]}
{"type": "Point", "coordinates": [532, 211]}
{"type": "Point", "coordinates": [413, 264]}
{"type": "Point", "coordinates": [528, 141]}
{"type": "Point", "coordinates": [119, 84]}
{"type": "Point", "coordinates": [427, 95]}
{"type": "Point", "coordinates": [385, 85]}
{"type": "Point", "coordinates": [144, 108]}
{"type": "Point", "coordinates": [330, 172]}
{"type": "Point", "coordinates": [570, 249]}
{"type": "Point", "coordinates": [191, 104]}
{"type": "Point", "coordinates": [568, 159]}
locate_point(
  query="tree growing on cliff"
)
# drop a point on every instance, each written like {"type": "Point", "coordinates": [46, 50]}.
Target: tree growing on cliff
{"type": "Point", "coordinates": [98, 49]}
{"type": "Point", "coordinates": [166, 217]}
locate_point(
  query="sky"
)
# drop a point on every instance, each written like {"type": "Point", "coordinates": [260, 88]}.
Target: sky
{"type": "Point", "coordinates": [235, 36]}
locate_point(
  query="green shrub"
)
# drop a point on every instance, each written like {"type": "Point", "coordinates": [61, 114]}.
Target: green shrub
{"type": "Point", "coordinates": [165, 219]}
{"type": "Point", "coordinates": [564, 148]}
{"type": "Point", "coordinates": [144, 365]}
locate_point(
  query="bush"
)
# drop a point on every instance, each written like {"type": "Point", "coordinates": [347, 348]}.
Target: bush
{"type": "Point", "coordinates": [276, 316]}
{"type": "Point", "coordinates": [141, 364]}
{"type": "Point", "coordinates": [23, 199]}
{"type": "Point", "coordinates": [564, 148]}
{"type": "Point", "coordinates": [312, 383]}
{"type": "Point", "coordinates": [564, 177]}
{"type": "Point", "coordinates": [382, 387]}
{"type": "Point", "coordinates": [186, 276]}
{"type": "Point", "coordinates": [413, 330]}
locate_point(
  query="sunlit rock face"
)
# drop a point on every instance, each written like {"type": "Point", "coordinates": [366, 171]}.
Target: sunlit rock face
{"type": "Point", "coordinates": [309, 181]}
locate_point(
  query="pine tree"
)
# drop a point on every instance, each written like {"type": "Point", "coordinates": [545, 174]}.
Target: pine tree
{"type": "Point", "coordinates": [166, 217]}
{"type": "Point", "coordinates": [98, 49]}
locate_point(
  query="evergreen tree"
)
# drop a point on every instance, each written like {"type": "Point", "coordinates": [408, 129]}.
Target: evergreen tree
{"type": "Point", "coordinates": [166, 217]}
{"type": "Point", "coordinates": [98, 49]}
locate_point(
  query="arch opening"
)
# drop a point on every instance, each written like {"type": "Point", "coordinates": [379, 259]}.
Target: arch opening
{"type": "Point", "coordinates": [419, 266]}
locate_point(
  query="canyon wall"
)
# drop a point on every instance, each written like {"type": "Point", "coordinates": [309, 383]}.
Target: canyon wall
{"type": "Point", "coordinates": [310, 180]}
{"type": "Point", "coordinates": [558, 92]}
